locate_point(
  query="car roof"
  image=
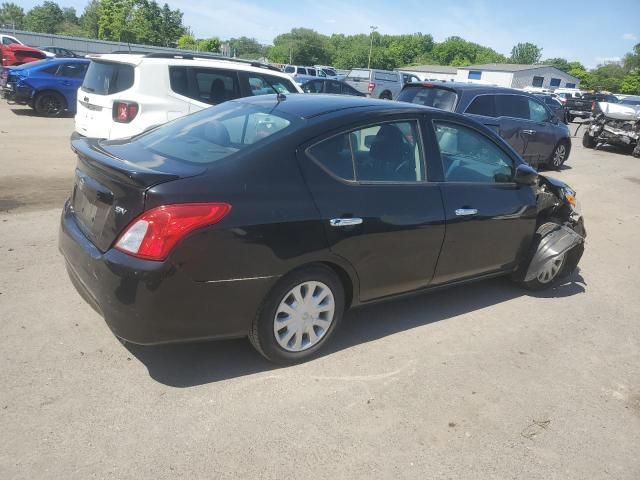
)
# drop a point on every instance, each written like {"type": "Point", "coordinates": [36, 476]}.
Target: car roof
{"type": "Point", "coordinates": [309, 106]}
{"type": "Point", "coordinates": [467, 87]}
{"type": "Point", "coordinates": [70, 60]}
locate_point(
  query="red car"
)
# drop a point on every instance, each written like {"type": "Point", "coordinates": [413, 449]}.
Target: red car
{"type": "Point", "coordinates": [12, 52]}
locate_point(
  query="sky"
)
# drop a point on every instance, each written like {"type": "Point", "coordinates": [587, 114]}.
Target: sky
{"type": "Point", "coordinates": [588, 31]}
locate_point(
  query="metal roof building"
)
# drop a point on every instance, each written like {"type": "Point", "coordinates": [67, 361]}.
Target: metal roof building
{"type": "Point", "coordinates": [517, 76]}
{"type": "Point", "coordinates": [431, 72]}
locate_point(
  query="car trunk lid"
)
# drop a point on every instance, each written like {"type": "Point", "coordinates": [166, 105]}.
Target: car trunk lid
{"type": "Point", "coordinates": [109, 191]}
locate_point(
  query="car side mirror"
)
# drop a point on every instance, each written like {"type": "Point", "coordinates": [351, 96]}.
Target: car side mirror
{"type": "Point", "coordinates": [525, 175]}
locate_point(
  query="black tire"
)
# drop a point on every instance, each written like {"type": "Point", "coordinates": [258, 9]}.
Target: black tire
{"type": "Point", "coordinates": [49, 104]}
{"type": "Point", "coordinates": [261, 334]}
{"type": "Point", "coordinates": [559, 155]}
{"type": "Point", "coordinates": [588, 141]}
{"type": "Point", "coordinates": [569, 262]}
{"type": "Point", "coordinates": [386, 95]}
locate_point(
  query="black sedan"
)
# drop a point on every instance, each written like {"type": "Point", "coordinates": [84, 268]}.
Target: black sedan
{"type": "Point", "coordinates": [330, 86]}
{"type": "Point", "coordinates": [268, 216]}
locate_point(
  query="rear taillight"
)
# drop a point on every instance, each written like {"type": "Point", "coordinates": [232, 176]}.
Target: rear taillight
{"type": "Point", "coordinates": [154, 233]}
{"type": "Point", "coordinates": [593, 106]}
{"type": "Point", "coordinates": [124, 112]}
{"type": "Point", "coordinates": [371, 86]}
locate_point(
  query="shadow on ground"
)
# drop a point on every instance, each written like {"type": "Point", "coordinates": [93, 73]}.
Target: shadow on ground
{"type": "Point", "coordinates": [187, 365]}
{"type": "Point", "coordinates": [29, 112]}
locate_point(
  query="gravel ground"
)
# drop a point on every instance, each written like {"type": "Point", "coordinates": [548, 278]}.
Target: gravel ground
{"type": "Point", "coordinates": [480, 381]}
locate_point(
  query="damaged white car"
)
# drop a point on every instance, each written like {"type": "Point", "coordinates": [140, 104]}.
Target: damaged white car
{"type": "Point", "coordinates": [614, 124]}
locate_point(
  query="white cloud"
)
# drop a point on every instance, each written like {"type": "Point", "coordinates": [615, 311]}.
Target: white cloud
{"type": "Point", "coordinates": [630, 36]}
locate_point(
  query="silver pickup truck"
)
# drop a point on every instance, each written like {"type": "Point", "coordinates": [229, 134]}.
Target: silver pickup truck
{"type": "Point", "coordinates": [376, 83]}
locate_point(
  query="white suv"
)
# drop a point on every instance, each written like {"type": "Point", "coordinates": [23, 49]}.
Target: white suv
{"type": "Point", "coordinates": [125, 94]}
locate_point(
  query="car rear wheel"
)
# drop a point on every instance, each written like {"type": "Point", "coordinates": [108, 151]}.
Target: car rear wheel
{"type": "Point", "coordinates": [49, 104]}
{"type": "Point", "coordinates": [559, 155]}
{"type": "Point", "coordinates": [386, 95]}
{"type": "Point", "coordinates": [299, 315]}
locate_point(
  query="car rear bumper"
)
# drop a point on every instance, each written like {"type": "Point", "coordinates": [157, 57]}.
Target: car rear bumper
{"type": "Point", "coordinates": [147, 302]}
{"type": "Point", "coordinates": [18, 94]}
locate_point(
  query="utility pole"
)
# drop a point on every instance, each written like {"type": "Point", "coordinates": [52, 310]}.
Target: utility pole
{"type": "Point", "coordinates": [373, 29]}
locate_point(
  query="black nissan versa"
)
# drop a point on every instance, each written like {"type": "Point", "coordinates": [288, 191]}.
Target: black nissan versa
{"type": "Point", "coordinates": [268, 216]}
{"type": "Point", "coordinates": [522, 119]}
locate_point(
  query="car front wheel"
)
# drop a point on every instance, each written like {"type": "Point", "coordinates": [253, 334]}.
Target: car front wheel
{"type": "Point", "coordinates": [299, 315]}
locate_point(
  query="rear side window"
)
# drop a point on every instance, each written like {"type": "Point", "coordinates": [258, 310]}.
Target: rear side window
{"type": "Point", "coordinates": [514, 106]}
{"type": "Point", "coordinates": [215, 86]}
{"type": "Point", "coordinates": [483, 105]}
{"type": "Point", "coordinates": [211, 134]}
{"type": "Point", "coordinates": [311, 71]}
{"type": "Point", "coordinates": [289, 69]}
{"type": "Point", "coordinates": [537, 111]}
{"type": "Point", "coordinates": [262, 84]}
{"type": "Point", "coordinates": [333, 87]}
{"type": "Point", "coordinates": [314, 86]}
{"type": "Point", "coordinates": [302, 71]}
{"type": "Point", "coordinates": [179, 81]}
{"type": "Point", "coordinates": [50, 70]}
{"type": "Point", "coordinates": [388, 152]}
{"type": "Point", "coordinates": [74, 70]}
{"type": "Point", "coordinates": [430, 97]}
{"type": "Point", "coordinates": [106, 78]}
{"type": "Point", "coordinates": [468, 156]}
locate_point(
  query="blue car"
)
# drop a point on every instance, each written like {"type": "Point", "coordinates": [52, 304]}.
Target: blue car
{"type": "Point", "coordinates": [48, 86]}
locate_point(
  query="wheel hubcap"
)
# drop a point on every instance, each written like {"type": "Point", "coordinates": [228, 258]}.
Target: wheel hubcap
{"type": "Point", "coordinates": [304, 316]}
{"type": "Point", "coordinates": [551, 269]}
{"type": "Point", "coordinates": [51, 104]}
{"type": "Point", "coordinates": [559, 154]}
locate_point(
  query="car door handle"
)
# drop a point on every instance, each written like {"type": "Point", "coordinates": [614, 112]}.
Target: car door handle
{"type": "Point", "coordinates": [345, 222]}
{"type": "Point", "coordinates": [465, 212]}
{"type": "Point", "coordinates": [529, 132]}
{"type": "Point", "coordinates": [65, 82]}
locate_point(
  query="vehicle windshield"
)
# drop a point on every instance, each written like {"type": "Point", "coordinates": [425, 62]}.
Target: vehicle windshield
{"type": "Point", "coordinates": [106, 78]}
{"type": "Point", "coordinates": [209, 135]}
{"type": "Point", "coordinates": [430, 97]}
{"type": "Point", "coordinates": [360, 74]}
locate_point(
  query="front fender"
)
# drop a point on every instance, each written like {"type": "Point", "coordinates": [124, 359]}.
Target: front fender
{"type": "Point", "coordinates": [555, 240]}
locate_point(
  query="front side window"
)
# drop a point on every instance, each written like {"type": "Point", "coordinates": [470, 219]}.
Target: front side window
{"type": "Point", "coordinates": [469, 156]}
{"type": "Point", "coordinates": [514, 106]}
{"type": "Point", "coordinates": [483, 105]}
{"type": "Point", "coordinates": [314, 86]}
{"type": "Point", "coordinates": [388, 152]}
{"type": "Point", "coordinates": [215, 86]}
{"type": "Point", "coordinates": [209, 135]}
{"type": "Point", "coordinates": [261, 84]}
{"type": "Point", "coordinates": [537, 112]}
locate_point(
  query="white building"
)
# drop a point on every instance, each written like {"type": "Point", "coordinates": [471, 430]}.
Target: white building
{"type": "Point", "coordinates": [517, 76]}
{"type": "Point", "coordinates": [431, 72]}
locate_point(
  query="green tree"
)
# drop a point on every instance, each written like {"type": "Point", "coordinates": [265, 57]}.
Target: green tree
{"type": "Point", "coordinates": [526, 53]}
{"type": "Point", "coordinates": [246, 47]}
{"type": "Point", "coordinates": [45, 18]}
{"type": "Point", "coordinates": [187, 42]}
{"type": "Point", "coordinates": [209, 45]}
{"type": "Point", "coordinates": [457, 51]}
{"type": "Point", "coordinates": [608, 76]}
{"type": "Point", "coordinates": [114, 17]}
{"type": "Point", "coordinates": [69, 15]}
{"type": "Point", "coordinates": [11, 15]}
{"type": "Point", "coordinates": [631, 60]}
{"type": "Point", "coordinates": [559, 63]}
{"type": "Point", "coordinates": [300, 46]}
{"type": "Point", "coordinates": [631, 83]}
{"type": "Point", "coordinates": [90, 19]}
{"type": "Point", "coordinates": [171, 27]}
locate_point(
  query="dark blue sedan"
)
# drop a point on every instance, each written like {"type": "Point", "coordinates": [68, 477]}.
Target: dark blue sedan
{"type": "Point", "coordinates": [48, 86]}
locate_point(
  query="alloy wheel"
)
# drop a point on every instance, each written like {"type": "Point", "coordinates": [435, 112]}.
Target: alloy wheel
{"type": "Point", "coordinates": [52, 105]}
{"type": "Point", "coordinates": [304, 316]}
{"type": "Point", "coordinates": [551, 269]}
{"type": "Point", "coordinates": [559, 155]}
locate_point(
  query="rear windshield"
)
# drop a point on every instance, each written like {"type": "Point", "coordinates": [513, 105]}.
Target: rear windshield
{"type": "Point", "coordinates": [430, 97]}
{"type": "Point", "coordinates": [211, 134]}
{"type": "Point", "coordinates": [360, 74]}
{"type": "Point", "coordinates": [106, 78]}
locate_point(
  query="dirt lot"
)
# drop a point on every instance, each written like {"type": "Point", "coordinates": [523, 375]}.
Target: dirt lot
{"type": "Point", "coordinates": [477, 382]}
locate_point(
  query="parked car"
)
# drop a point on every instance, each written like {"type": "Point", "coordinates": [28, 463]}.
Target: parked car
{"type": "Point", "coordinates": [583, 107]}
{"type": "Point", "coordinates": [330, 73]}
{"type": "Point", "coordinates": [301, 74]}
{"type": "Point", "coordinates": [59, 52]}
{"type": "Point", "coordinates": [268, 216]}
{"type": "Point", "coordinates": [13, 52]}
{"type": "Point", "coordinates": [630, 100]}
{"type": "Point", "coordinates": [615, 124]}
{"type": "Point", "coordinates": [48, 86]}
{"type": "Point", "coordinates": [125, 94]}
{"type": "Point", "coordinates": [330, 86]}
{"type": "Point", "coordinates": [384, 84]}
{"type": "Point", "coordinates": [519, 117]}
{"type": "Point", "coordinates": [554, 105]}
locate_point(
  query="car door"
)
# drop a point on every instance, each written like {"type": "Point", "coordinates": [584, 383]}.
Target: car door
{"type": "Point", "coordinates": [378, 210]}
{"type": "Point", "coordinates": [515, 126]}
{"type": "Point", "coordinates": [490, 219]}
{"type": "Point", "coordinates": [542, 132]}
{"type": "Point", "coordinates": [69, 77]}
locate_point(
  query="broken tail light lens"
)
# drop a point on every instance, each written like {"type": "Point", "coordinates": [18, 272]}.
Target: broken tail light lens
{"type": "Point", "coordinates": [371, 87]}
{"type": "Point", "coordinates": [124, 112]}
{"type": "Point", "coordinates": [153, 234]}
